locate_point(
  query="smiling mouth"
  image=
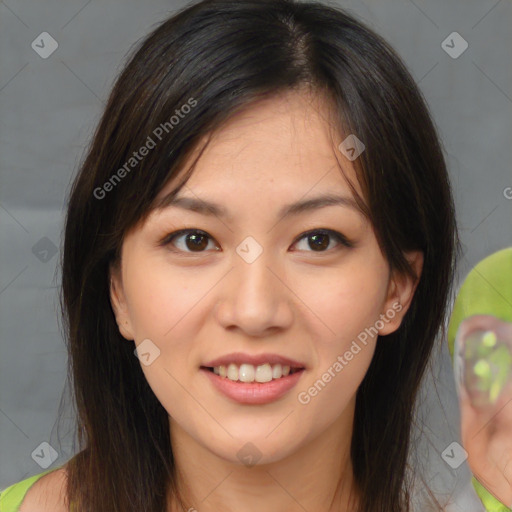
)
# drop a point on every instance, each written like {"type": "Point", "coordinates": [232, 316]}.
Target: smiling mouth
{"type": "Point", "coordinates": [253, 374]}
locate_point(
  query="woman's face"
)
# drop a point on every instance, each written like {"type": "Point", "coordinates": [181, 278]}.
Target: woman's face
{"type": "Point", "coordinates": [252, 282]}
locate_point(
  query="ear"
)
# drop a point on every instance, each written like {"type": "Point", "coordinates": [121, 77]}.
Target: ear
{"type": "Point", "coordinates": [401, 290]}
{"type": "Point", "coordinates": [118, 302]}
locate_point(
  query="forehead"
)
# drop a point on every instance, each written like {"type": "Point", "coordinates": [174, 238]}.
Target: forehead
{"type": "Point", "coordinates": [276, 150]}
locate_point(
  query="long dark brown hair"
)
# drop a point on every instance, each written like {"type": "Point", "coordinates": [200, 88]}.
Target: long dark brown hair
{"type": "Point", "coordinates": [217, 56]}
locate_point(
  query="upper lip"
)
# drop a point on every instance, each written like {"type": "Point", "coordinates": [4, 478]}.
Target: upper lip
{"type": "Point", "coordinates": [239, 358]}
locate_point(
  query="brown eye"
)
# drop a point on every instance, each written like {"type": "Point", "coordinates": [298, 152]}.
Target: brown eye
{"type": "Point", "coordinates": [320, 239]}
{"type": "Point", "coordinates": [196, 242]}
{"type": "Point", "coordinates": [188, 240]}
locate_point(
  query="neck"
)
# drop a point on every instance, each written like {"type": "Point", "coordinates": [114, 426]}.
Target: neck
{"type": "Point", "coordinates": [316, 477]}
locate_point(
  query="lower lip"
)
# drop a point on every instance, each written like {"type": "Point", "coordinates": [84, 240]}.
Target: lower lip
{"type": "Point", "coordinates": [254, 393]}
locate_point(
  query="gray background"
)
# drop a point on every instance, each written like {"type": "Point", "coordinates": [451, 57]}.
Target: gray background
{"type": "Point", "coordinates": [49, 108]}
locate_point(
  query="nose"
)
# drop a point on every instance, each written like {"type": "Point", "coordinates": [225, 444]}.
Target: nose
{"type": "Point", "coordinates": [255, 298]}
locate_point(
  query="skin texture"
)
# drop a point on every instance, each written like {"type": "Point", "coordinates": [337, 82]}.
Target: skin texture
{"type": "Point", "coordinates": [292, 300]}
{"type": "Point", "coordinates": [47, 494]}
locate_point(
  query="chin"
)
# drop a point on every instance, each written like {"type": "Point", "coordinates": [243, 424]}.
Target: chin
{"type": "Point", "coordinates": [254, 451]}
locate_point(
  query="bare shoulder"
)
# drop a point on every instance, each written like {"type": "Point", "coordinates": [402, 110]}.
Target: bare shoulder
{"type": "Point", "coordinates": [47, 494]}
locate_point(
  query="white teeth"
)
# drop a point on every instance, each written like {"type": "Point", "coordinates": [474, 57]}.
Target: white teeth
{"type": "Point", "coordinates": [246, 373]}
{"type": "Point", "coordinates": [277, 371]}
{"type": "Point", "coordinates": [233, 372]}
{"type": "Point", "coordinates": [250, 373]}
{"type": "Point", "coordinates": [263, 373]}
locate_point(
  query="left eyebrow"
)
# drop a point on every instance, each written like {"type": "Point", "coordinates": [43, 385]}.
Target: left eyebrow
{"type": "Point", "coordinates": [204, 207]}
{"type": "Point", "coordinates": [319, 202]}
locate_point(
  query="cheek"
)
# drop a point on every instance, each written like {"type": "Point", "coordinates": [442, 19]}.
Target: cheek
{"type": "Point", "coordinates": [167, 305]}
{"type": "Point", "coordinates": [160, 299]}
{"type": "Point", "coordinates": [326, 394]}
{"type": "Point", "coordinates": [163, 304]}
{"type": "Point", "coordinates": [345, 300]}
{"type": "Point", "coordinates": [349, 304]}
{"type": "Point", "coordinates": [342, 363]}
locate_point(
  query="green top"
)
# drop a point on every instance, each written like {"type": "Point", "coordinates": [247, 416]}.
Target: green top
{"type": "Point", "coordinates": [491, 504]}
{"type": "Point", "coordinates": [12, 497]}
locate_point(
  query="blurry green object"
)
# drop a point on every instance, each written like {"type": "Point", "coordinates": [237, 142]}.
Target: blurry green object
{"type": "Point", "coordinates": [487, 290]}
{"type": "Point", "coordinates": [483, 358]}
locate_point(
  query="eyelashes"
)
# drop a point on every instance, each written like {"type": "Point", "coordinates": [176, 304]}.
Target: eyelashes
{"type": "Point", "coordinates": [320, 235]}
{"type": "Point", "coordinates": [199, 241]}
{"type": "Point", "coordinates": [198, 236]}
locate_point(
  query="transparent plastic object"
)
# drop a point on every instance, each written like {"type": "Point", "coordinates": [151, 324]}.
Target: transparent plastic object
{"type": "Point", "coordinates": [483, 359]}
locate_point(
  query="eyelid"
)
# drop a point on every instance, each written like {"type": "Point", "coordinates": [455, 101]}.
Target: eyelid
{"type": "Point", "coordinates": [167, 239]}
{"type": "Point", "coordinates": [342, 239]}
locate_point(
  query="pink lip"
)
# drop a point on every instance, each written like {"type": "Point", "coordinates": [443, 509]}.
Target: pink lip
{"type": "Point", "coordinates": [254, 393]}
{"type": "Point", "coordinates": [239, 358]}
